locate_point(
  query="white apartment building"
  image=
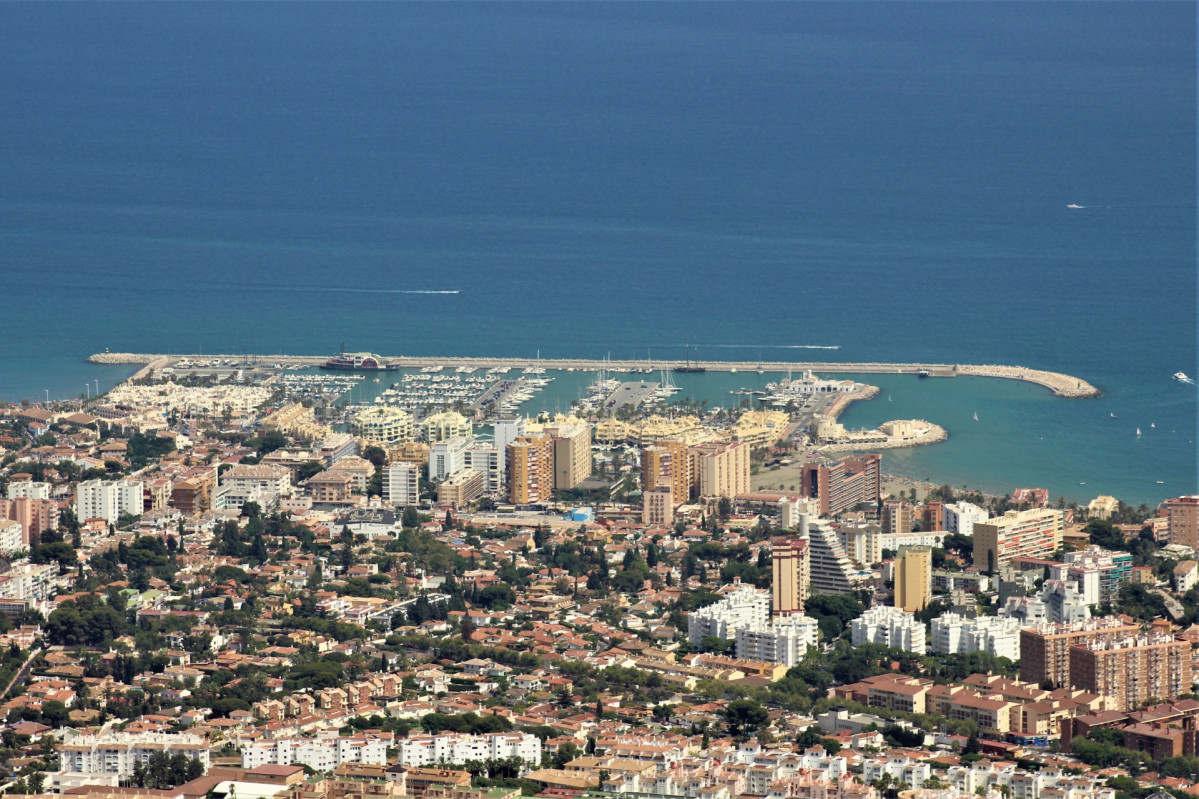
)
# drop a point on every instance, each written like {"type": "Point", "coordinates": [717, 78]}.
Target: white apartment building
{"type": "Point", "coordinates": [319, 754]}
{"type": "Point", "coordinates": [866, 544]}
{"type": "Point", "coordinates": [27, 488]}
{"type": "Point", "coordinates": [483, 457]}
{"type": "Point", "coordinates": [107, 499]}
{"type": "Point", "coordinates": [831, 570]}
{"type": "Point", "coordinates": [998, 636]}
{"type": "Point", "coordinates": [458, 748]}
{"type": "Point", "coordinates": [505, 432]}
{"type": "Point", "coordinates": [959, 517]}
{"type": "Point", "coordinates": [447, 458]}
{"type": "Point", "coordinates": [744, 606]}
{"type": "Point", "coordinates": [257, 483]}
{"type": "Point", "coordinates": [32, 581]}
{"type": "Point", "coordinates": [11, 538]}
{"type": "Point", "coordinates": [889, 626]}
{"type": "Point", "coordinates": [786, 641]}
{"type": "Point", "coordinates": [401, 484]}
{"type": "Point", "coordinates": [901, 769]}
{"type": "Point", "coordinates": [117, 752]}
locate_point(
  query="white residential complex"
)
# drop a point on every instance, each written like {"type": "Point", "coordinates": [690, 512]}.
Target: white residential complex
{"type": "Point", "coordinates": [401, 484]}
{"type": "Point", "coordinates": [744, 606]}
{"type": "Point", "coordinates": [319, 754]}
{"type": "Point", "coordinates": [889, 626]}
{"type": "Point", "coordinates": [259, 483]}
{"type": "Point", "coordinates": [108, 499]}
{"type": "Point", "coordinates": [117, 752]}
{"type": "Point", "coordinates": [458, 748]}
{"type": "Point", "coordinates": [998, 636]}
{"type": "Point", "coordinates": [11, 538]}
{"type": "Point", "coordinates": [784, 641]}
{"type": "Point", "coordinates": [27, 488]}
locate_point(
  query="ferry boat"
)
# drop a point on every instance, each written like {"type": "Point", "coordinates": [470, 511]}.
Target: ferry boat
{"type": "Point", "coordinates": [358, 362]}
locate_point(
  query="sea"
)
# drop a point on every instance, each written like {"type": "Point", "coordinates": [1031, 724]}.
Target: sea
{"type": "Point", "coordinates": [894, 181]}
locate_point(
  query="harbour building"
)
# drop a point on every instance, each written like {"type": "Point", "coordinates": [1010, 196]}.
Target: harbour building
{"type": "Point", "coordinates": [383, 425]}
{"type": "Point", "coordinates": [444, 426]}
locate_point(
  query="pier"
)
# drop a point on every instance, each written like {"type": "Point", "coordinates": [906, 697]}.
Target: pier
{"type": "Point", "coordinates": [1060, 384]}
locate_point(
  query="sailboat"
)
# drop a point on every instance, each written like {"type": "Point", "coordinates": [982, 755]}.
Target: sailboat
{"type": "Point", "coordinates": [1152, 425]}
{"type": "Point", "coordinates": [1138, 432]}
{"type": "Point", "coordinates": [976, 416]}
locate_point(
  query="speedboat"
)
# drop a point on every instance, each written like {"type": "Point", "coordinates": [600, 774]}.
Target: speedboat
{"type": "Point", "coordinates": [1181, 376]}
{"type": "Point", "coordinates": [1113, 416]}
{"type": "Point", "coordinates": [1075, 206]}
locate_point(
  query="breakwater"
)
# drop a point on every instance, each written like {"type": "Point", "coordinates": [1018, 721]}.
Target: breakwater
{"type": "Point", "coordinates": [1062, 385]}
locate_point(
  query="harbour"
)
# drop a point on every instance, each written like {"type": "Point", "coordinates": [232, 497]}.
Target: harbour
{"type": "Point", "coordinates": [1059, 384]}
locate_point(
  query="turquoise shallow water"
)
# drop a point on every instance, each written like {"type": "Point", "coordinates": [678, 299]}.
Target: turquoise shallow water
{"type": "Point", "coordinates": [891, 179]}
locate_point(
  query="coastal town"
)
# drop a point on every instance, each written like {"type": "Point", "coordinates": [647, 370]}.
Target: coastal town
{"type": "Point", "coordinates": [237, 579]}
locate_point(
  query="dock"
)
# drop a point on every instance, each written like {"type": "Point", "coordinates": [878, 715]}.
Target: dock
{"type": "Point", "coordinates": [1062, 385]}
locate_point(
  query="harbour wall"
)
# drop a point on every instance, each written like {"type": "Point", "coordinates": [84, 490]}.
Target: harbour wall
{"type": "Point", "coordinates": [1060, 384]}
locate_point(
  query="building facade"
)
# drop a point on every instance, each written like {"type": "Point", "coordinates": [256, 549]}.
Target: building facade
{"type": "Point", "coordinates": [401, 484]}
{"type": "Point", "coordinates": [530, 469]}
{"type": "Point", "coordinates": [1133, 670]}
{"type": "Point", "coordinates": [914, 578]}
{"type": "Point", "coordinates": [889, 626]}
{"type": "Point", "coordinates": [792, 574]}
{"type": "Point", "coordinates": [1045, 650]}
{"type": "Point", "coordinates": [1017, 534]}
{"type": "Point", "coordinates": [842, 485]}
{"type": "Point", "coordinates": [107, 500]}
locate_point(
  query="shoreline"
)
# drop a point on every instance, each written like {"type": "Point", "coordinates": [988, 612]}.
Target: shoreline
{"type": "Point", "coordinates": [1061, 385]}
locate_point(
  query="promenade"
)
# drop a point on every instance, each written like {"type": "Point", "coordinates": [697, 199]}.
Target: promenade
{"type": "Point", "coordinates": [1060, 384]}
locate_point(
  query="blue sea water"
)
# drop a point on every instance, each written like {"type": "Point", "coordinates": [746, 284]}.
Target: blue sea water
{"type": "Point", "coordinates": [888, 178]}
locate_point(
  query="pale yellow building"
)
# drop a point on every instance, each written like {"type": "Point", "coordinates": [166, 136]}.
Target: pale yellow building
{"type": "Point", "coordinates": [666, 464]}
{"type": "Point", "coordinates": [444, 426]}
{"type": "Point", "coordinates": [760, 428]}
{"type": "Point", "coordinates": [721, 469]}
{"type": "Point", "coordinates": [383, 425]}
{"type": "Point", "coordinates": [572, 454]}
{"type": "Point", "coordinates": [914, 578]}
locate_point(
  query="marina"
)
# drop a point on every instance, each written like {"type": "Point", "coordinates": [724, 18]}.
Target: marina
{"type": "Point", "coordinates": [1061, 385]}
